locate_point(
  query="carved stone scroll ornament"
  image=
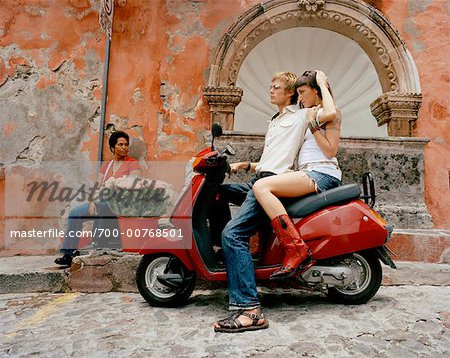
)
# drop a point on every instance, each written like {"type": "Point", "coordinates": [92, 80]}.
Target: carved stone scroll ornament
{"type": "Point", "coordinates": [222, 102]}
{"type": "Point", "coordinates": [310, 5]}
{"type": "Point", "coordinates": [398, 110]}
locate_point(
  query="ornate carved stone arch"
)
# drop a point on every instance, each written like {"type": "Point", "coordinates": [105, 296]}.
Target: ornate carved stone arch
{"type": "Point", "coordinates": [352, 18]}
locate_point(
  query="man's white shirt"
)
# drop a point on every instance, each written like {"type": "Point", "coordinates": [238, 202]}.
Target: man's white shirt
{"type": "Point", "coordinates": [283, 140]}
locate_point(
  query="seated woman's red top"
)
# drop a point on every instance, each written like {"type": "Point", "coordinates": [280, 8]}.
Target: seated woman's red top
{"type": "Point", "coordinates": [128, 165]}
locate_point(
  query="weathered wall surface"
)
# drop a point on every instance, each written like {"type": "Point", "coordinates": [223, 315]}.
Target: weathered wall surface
{"type": "Point", "coordinates": [161, 52]}
{"type": "Point", "coordinates": [51, 61]}
{"type": "Point", "coordinates": [50, 72]}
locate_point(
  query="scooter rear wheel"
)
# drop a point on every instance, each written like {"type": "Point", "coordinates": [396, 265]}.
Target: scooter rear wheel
{"type": "Point", "coordinates": [369, 273]}
{"type": "Point", "coordinates": [156, 293]}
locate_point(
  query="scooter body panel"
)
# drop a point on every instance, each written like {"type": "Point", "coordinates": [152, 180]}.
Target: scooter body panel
{"type": "Point", "coordinates": [340, 230]}
{"type": "Point", "coordinates": [333, 231]}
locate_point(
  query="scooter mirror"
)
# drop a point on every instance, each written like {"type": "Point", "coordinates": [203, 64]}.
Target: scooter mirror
{"type": "Point", "coordinates": [229, 150]}
{"type": "Point", "coordinates": [216, 130]}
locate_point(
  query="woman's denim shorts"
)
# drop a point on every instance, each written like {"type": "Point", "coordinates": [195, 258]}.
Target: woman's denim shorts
{"type": "Point", "coordinates": [323, 181]}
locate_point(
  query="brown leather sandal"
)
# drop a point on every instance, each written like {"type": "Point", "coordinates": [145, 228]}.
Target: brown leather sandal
{"type": "Point", "coordinates": [231, 324]}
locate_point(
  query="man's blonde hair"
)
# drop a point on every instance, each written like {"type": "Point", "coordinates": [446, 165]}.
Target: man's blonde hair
{"type": "Point", "coordinates": [289, 79]}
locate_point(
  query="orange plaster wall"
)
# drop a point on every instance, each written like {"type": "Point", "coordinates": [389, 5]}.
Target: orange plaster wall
{"type": "Point", "coordinates": [424, 26]}
{"type": "Point", "coordinates": [161, 48]}
{"type": "Point", "coordinates": [36, 25]}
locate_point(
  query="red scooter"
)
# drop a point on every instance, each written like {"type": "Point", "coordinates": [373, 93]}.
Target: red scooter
{"type": "Point", "coordinates": [345, 235]}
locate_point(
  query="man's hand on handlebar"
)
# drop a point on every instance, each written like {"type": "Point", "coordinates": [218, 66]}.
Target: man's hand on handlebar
{"type": "Point", "coordinates": [234, 167]}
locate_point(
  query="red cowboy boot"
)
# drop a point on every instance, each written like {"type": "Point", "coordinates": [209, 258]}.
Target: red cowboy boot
{"type": "Point", "coordinates": [297, 254]}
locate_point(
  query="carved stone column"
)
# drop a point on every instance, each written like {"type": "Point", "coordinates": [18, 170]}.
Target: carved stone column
{"type": "Point", "coordinates": [398, 110]}
{"type": "Point", "coordinates": [222, 102]}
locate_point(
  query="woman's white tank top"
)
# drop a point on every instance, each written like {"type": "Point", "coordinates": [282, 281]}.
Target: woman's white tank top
{"type": "Point", "coordinates": [311, 157]}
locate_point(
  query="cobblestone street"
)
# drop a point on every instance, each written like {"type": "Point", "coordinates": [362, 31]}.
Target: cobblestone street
{"type": "Point", "coordinates": [400, 321]}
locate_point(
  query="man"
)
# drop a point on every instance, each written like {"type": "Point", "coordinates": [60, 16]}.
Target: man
{"type": "Point", "coordinates": [281, 146]}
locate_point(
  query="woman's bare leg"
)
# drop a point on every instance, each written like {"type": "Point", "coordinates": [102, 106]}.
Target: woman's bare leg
{"type": "Point", "coordinates": [297, 255]}
{"type": "Point", "coordinates": [289, 185]}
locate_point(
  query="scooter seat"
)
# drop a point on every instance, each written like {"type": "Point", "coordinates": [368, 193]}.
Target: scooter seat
{"type": "Point", "coordinates": [299, 208]}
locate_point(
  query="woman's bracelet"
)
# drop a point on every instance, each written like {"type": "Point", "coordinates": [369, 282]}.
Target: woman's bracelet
{"type": "Point", "coordinates": [313, 126]}
{"type": "Point", "coordinates": [316, 121]}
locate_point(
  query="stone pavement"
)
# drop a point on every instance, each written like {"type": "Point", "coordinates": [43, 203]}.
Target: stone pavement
{"type": "Point", "coordinates": [400, 321]}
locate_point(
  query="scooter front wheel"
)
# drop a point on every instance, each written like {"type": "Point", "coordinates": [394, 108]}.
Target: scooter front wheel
{"type": "Point", "coordinates": [368, 274]}
{"type": "Point", "coordinates": [157, 293]}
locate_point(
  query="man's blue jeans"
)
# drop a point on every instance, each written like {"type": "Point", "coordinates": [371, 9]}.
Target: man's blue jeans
{"type": "Point", "coordinates": [235, 243]}
{"type": "Point", "coordinates": [78, 215]}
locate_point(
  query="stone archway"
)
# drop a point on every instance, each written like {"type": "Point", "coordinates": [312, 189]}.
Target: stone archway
{"type": "Point", "coordinates": [401, 100]}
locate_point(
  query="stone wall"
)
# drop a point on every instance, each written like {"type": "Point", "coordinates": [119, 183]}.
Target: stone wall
{"type": "Point", "coordinates": [397, 165]}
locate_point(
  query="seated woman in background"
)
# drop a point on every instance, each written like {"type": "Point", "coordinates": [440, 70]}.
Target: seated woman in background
{"type": "Point", "coordinates": [318, 170]}
{"type": "Point", "coordinates": [122, 165]}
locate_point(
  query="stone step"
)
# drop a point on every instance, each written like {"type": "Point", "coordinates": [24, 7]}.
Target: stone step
{"type": "Point", "coordinates": [422, 245]}
{"type": "Point", "coordinates": [115, 271]}
{"type": "Point", "coordinates": [19, 274]}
